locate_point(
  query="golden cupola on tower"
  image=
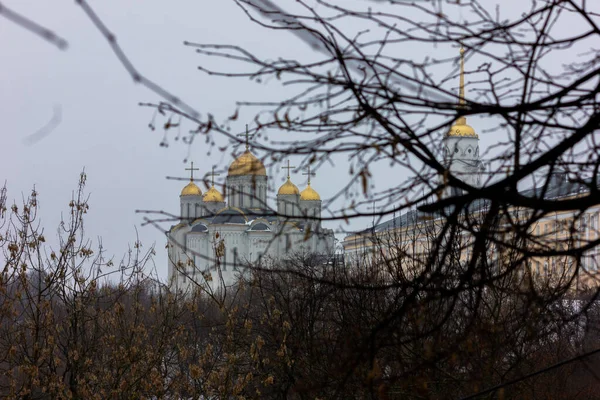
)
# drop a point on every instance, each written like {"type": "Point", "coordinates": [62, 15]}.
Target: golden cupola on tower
{"type": "Point", "coordinates": [288, 188]}
{"type": "Point", "coordinates": [309, 194]}
{"type": "Point", "coordinates": [191, 189]}
{"type": "Point", "coordinates": [247, 164]}
{"type": "Point", "coordinates": [460, 127]}
{"type": "Point", "coordinates": [213, 196]}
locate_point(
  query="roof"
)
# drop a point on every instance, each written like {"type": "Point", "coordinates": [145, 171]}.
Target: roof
{"type": "Point", "coordinates": [229, 216]}
{"type": "Point", "coordinates": [558, 187]}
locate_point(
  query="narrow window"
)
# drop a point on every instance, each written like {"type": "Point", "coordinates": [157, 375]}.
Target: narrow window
{"type": "Point", "coordinates": [235, 259]}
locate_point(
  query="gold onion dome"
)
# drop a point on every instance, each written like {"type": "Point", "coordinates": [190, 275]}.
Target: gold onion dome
{"type": "Point", "coordinates": [213, 196]}
{"type": "Point", "coordinates": [288, 188]}
{"type": "Point", "coordinates": [247, 164]}
{"type": "Point", "coordinates": [309, 194]}
{"type": "Point", "coordinates": [191, 189]}
{"type": "Point", "coordinates": [460, 127]}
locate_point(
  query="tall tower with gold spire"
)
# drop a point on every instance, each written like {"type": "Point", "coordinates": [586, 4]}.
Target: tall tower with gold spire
{"type": "Point", "coordinates": [461, 143]}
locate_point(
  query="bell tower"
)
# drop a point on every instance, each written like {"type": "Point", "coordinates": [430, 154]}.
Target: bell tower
{"type": "Point", "coordinates": [461, 143]}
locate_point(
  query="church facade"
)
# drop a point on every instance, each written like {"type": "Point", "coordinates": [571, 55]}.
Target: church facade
{"type": "Point", "coordinates": [218, 236]}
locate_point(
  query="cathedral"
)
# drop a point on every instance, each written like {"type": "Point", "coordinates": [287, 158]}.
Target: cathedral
{"type": "Point", "coordinates": [219, 236]}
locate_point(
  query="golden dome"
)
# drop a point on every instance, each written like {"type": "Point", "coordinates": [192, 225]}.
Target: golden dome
{"type": "Point", "coordinates": [309, 194]}
{"type": "Point", "coordinates": [460, 128]}
{"type": "Point", "coordinates": [247, 164]}
{"type": "Point", "coordinates": [288, 188]}
{"type": "Point", "coordinates": [191, 189]}
{"type": "Point", "coordinates": [213, 196]}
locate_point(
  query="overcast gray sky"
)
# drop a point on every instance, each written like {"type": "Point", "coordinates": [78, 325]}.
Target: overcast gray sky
{"type": "Point", "coordinates": [102, 128]}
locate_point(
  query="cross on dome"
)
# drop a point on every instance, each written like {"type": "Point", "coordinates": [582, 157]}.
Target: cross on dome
{"type": "Point", "coordinates": [212, 176]}
{"type": "Point", "coordinates": [248, 137]}
{"type": "Point", "coordinates": [213, 195]}
{"type": "Point", "coordinates": [309, 193]}
{"type": "Point", "coordinates": [192, 169]}
{"type": "Point", "coordinates": [288, 187]}
{"type": "Point", "coordinates": [191, 189]}
{"type": "Point", "coordinates": [309, 174]}
{"type": "Point", "coordinates": [288, 169]}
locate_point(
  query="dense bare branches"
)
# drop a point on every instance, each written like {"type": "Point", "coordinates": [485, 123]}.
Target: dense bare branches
{"type": "Point", "coordinates": [365, 96]}
{"type": "Point", "coordinates": [472, 290]}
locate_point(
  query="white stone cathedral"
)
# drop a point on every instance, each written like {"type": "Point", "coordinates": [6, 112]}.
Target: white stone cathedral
{"type": "Point", "coordinates": [216, 240]}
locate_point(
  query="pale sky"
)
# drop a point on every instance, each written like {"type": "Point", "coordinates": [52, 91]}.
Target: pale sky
{"type": "Point", "coordinates": [102, 128]}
